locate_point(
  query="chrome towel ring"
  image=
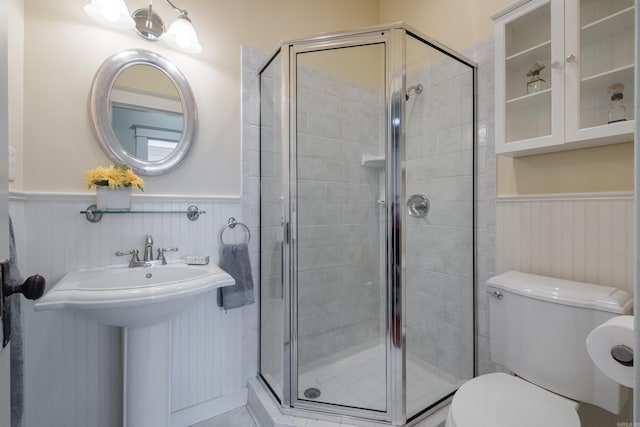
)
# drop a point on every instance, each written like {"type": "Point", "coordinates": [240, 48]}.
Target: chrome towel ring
{"type": "Point", "coordinates": [232, 224]}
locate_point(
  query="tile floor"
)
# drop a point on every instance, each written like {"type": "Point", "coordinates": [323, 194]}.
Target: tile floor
{"type": "Point", "coordinates": [359, 380]}
{"type": "Point", "coordinates": [356, 380]}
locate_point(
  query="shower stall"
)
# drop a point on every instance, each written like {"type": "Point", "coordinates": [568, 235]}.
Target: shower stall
{"type": "Point", "coordinates": [367, 237]}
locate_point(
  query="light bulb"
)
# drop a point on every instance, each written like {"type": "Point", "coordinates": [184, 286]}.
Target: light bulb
{"type": "Point", "coordinates": [182, 36]}
{"type": "Point", "coordinates": [113, 13]}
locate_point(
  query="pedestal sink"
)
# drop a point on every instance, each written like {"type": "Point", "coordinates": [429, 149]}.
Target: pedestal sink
{"type": "Point", "coordinates": [142, 300]}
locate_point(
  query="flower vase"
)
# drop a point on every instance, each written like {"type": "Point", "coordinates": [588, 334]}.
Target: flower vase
{"type": "Point", "coordinates": [118, 199]}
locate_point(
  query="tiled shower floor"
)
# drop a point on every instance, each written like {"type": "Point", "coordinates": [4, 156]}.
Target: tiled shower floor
{"type": "Point", "coordinates": [359, 380]}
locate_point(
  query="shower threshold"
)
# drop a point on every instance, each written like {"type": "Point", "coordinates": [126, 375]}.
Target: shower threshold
{"type": "Point", "coordinates": [268, 413]}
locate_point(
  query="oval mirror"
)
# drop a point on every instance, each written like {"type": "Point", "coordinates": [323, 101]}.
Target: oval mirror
{"type": "Point", "coordinates": [143, 111]}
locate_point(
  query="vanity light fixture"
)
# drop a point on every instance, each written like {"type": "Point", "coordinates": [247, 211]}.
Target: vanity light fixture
{"type": "Point", "coordinates": [113, 13]}
{"type": "Point", "coordinates": [149, 25]}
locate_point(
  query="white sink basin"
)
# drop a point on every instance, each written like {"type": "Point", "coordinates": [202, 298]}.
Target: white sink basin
{"type": "Point", "coordinates": [133, 297]}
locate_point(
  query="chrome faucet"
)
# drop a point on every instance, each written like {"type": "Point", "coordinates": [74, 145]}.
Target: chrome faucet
{"type": "Point", "coordinates": [147, 257]}
{"type": "Point", "coordinates": [148, 248]}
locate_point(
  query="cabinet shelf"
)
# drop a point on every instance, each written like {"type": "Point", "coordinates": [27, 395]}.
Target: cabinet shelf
{"type": "Point", "coordinates": [595, 100]}
{"type": "Point", "coordinates": [620, 71]}
{"type": "Point", "coordinates": [529, 51]}
{"type": "Point", "coordinates": [608, 26]}
{"type": "Point", "coordinates": [531, 98]}
{"type": "Point", "coordinates": [528, 30]}
{"type": "Point", "coordinates": [524, 59]}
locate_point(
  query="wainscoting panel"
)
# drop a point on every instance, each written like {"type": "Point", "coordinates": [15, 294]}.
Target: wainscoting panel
{"type": "Point", "coordinates": [73, 366]}
{"type": "Point", "coordinates": [207, 359]}
{"type": "Point", "coordinates": [582, 237]}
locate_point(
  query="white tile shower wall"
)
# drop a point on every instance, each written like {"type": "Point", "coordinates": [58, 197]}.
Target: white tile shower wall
{"type": "Point", "coordinates": [338, 214]}
{"type": "Point", "coordinates": [251, 60]}
{"type": "Point", "coordinates": [584, 237]}
{"type": "Point", "coordinates": [73, 366]}
{"type": "Point", "coordinates": [483, 53]}
{"type": "Point", "coordinates": [439, 248]}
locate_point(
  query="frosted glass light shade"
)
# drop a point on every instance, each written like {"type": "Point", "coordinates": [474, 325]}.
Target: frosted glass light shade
{"type": "Point", "coordinates": [113, 13]}
{"type": "Point", "coordinates": [182, 36]}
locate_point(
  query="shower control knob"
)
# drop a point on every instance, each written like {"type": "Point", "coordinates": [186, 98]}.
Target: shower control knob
{"type": "Point", "coordinates": [418, 206]}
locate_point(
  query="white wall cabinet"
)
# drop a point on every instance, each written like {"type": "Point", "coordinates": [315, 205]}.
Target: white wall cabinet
{"type": "Point", "coordinates": [585, 46]}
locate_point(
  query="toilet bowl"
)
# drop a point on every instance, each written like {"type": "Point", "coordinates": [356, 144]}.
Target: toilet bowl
{"type": "Point", "coordinates": [538, 328]}
{"type": "Point", "coordinates": [501, 400]}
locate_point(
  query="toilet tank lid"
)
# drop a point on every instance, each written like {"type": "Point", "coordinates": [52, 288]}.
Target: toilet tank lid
{"type": "Point", "coordinates": [567, 292]}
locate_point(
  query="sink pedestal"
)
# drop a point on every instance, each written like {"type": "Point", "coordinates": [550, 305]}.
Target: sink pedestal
{"type": "Point", "coordinates": [147, 376]}
{"type": "Point", "coordinates": [142, 301]}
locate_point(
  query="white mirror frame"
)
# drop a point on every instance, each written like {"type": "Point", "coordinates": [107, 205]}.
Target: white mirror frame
{"type": "Point", "coordinates": [100, 110]}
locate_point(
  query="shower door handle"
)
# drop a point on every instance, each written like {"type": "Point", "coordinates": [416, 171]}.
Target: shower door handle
{"type": "Point", "coordinates": [282, 264]}
{"type": "Point", "coordinates": [286, 236]}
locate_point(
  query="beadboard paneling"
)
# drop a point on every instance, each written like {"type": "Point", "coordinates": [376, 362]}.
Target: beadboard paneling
{"type": "Point", "coordinates": [72, 365]}
{"type": "Point", "coordinates": [582, 237]}
{"type": "Point", "coordinates": [207, 358]}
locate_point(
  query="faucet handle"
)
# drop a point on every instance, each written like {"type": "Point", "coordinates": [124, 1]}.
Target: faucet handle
{"type": "Point", "coordinates": [133, 253]}
{"type": "Point", "coordinates": [123, 253]}
{"type": "Point", "coordinates": [161, 252]}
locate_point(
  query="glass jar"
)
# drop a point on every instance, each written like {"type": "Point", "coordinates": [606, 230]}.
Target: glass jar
{"type": "Point", "coordinates": [617, 110]}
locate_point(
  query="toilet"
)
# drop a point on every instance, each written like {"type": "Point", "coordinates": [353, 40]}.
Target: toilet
{"type": "Point", "coordinates": [538, 328]}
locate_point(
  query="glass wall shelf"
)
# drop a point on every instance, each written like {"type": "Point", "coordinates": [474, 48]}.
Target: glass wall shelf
{"type": "Point", "coordinates": [94, 215]}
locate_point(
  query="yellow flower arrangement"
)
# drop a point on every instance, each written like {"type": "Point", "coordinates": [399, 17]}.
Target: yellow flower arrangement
{"type": "Point", "coordinates": [114, 176]}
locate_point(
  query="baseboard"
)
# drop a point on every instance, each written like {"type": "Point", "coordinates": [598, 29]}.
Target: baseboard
{"type": "Point", "coordinates": [209, 409]}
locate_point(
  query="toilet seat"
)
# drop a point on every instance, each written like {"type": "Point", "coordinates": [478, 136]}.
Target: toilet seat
{"type": "Point", "coordinates": [501, 400]}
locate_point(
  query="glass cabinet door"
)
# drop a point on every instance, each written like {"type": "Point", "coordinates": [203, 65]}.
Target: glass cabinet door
{"type": "Point", "coordinates": [600, 54]}
{"type": "Point", "coordinates": [530, 95]}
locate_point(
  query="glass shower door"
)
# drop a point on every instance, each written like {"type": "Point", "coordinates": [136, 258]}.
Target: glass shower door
{"type": "Point", "coordinates": [339, 219]}
{"type": "Point", "coordinates": [439, 245]}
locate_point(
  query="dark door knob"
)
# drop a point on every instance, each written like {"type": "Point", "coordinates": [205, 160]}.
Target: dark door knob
{"type": "Point", "coordinates": [32, 288]}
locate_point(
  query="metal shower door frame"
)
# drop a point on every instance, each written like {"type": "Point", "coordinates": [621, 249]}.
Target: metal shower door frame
{"type": "Point", "coordinates": [393, 40]}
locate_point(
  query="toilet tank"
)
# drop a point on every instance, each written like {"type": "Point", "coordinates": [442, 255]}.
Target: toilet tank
{"type": "Point", "coordinates": [538, 329]}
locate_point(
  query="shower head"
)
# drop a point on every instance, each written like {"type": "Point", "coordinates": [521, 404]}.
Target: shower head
{"type": "Point", "coordinates": [417, 90]}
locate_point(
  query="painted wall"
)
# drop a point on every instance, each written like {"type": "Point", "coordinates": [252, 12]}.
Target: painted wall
{"type": "Point", "coordinates": [457, 24]}
{"type": "Point", "coordinates": [55, 124]}
{"type": "Point", "coordinates": [58, 142]}
{"type": "Point", "coordinates": [16, 82]}
{"type": "Point", "coordinates": [607, 168]}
